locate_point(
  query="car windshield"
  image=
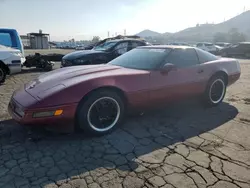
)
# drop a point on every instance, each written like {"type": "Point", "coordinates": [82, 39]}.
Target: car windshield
{"type": "Point", "coordinates": [142, 58]}
{"type": "Point", "coordinates": [105, 46]}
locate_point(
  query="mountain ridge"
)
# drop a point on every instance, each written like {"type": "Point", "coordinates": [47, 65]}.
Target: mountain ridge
{"type": "Point", "coordinates": [206, 31]}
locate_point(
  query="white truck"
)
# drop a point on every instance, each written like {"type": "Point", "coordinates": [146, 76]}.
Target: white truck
{"type": "Point", "coordinates": [11, 53]}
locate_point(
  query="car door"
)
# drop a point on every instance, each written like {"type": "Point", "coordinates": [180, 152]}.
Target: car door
{"type": "Point", "coordinates": [101, 59]}
{"type": "Point", "coordinates": [120, 49]}
{"type": "Point", "coordinates": [185, 80]}
{"type": "Point", "coordinates": [245, 50]}
{"type": "Point", "coordinates": [235, 50]}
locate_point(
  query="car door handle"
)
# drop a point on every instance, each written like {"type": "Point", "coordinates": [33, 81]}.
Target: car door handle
{"type": "Point", "coordinates": [200, 71]}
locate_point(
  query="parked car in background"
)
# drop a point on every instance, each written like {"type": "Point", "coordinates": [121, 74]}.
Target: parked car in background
{"type": "Point", "coordinates": [241, 49]}
{"type": "Point", "coordinates": [80, 47]}
{"type": "Point", "coordinates": [223, 44]}
{"type": "Point", "coordinates": [209, 47]}
{"type": "Point", "coordinates": [11, 38]}
{"type": "Point", "coordinates": [179, 44]}
{"type": "Point", "coordinates": [10, 62]}
{"type": "Point", "coordinates": [95, 98]}
{"type": "Point", "coordinates": [102, 53]}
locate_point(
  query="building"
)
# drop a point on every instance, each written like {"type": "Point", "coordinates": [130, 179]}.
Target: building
{"type": "Point", "coordinates": [36, 40]}
{"type": "Point", "coordinates": [39, 40]}
{"type": "Point", "coordinates": [26, 41]}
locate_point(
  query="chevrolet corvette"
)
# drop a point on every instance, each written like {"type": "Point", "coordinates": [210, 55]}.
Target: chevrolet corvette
{"type": "Point", "coordinates": [95, 98]}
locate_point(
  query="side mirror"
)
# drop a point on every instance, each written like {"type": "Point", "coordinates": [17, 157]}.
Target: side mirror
{"type": "Point", "coordinates": [168, 67]}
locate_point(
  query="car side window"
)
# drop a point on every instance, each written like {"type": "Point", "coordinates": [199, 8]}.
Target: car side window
{"type": "Point", "coordinates": [183, 57]}
{"type": "Point", "coordinates": [121, 48]}
{"type": "Point", "coordinates": [205, 56]}
{"type": "Point", "coordinates": [136, 44]}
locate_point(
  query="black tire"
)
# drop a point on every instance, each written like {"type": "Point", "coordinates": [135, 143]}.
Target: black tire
{"type": "Point", "coordinates": [2, 75]}
{"type": "Point", "coordinates": [85, 108]}
{"type": "Point", "coordinates": [208, 98]}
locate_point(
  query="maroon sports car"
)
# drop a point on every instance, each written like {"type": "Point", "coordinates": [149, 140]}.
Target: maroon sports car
{"type": "Point", "coordinates": [95, 98]}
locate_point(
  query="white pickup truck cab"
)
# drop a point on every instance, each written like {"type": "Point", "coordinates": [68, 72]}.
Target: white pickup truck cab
{"type": "Point", "coordinates": [10, 62]}
{"type": "Point", "coordinates": [11, 53]}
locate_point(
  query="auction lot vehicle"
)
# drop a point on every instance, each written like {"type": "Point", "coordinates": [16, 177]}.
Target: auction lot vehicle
{"type": "Point", "coordinates": [209, 47]}
{"type": "Point", "coordinates": [242, 49]}
{"type": "Point", "coordinates": [95, 98]}
{"type": "Point", "coordinates": [11, 38]}
{"type": "Point", "coordinates": [102, 53]}
{"type": "Point", "coordinates": [10, 62]}
{"type": "Point", "coordinates": [223, 44]}
{"type": "Point", "coordinates": [11, 53]}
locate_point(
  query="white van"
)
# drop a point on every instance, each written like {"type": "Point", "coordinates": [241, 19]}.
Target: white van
{"type": "Point", "coordinates": [11, 53]}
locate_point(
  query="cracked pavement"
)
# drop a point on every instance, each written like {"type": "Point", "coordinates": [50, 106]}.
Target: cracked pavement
{"type": "Point", "coordinates": [181, 146]}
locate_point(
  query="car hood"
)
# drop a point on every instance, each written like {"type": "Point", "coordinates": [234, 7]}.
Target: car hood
{"type": "Point", "coordinates": [8, 49]}
{"type": "Point", "coordinates": [79, 54]}
{"type": "Point", "coordinates": [59, 79]}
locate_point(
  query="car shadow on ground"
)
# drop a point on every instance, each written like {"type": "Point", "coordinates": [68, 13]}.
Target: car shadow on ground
{"type": "Point", "coordinates": [140, 142]}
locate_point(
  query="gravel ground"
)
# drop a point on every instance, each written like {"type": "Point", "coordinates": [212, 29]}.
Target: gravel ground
{"type": "Point", "coordinates": [182, 146]}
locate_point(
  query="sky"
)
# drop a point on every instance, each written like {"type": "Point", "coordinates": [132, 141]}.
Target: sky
{"type": "Point", "coordinates": [83, 19]}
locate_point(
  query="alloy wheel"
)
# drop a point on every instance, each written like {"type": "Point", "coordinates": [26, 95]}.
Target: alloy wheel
{"type": "Point", "coordinates": [217, 91]}
{"type": "Point", "coordinates": [103, 114]}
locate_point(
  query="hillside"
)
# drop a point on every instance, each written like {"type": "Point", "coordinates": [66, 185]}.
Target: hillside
{"type": "Point", "coordinates": [206, 32]}
{"type": "Point", "coordinates": [148, 33]}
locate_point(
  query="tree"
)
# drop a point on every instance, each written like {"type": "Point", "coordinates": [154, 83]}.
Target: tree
{"type": "Point", "coordinates": [220, 37]}
{"type": "Point", "coordinates": [235, 36]}
{"type": "Point", "coordinates": [96, 39]}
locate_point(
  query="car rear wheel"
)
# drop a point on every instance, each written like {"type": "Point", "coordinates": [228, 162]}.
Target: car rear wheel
{"type": "Point", "coordinates": [101, 113]}
{"type": "Point", "coordinates": [215, 91]}
{"type": "Point", "coordinates": [2, 75]}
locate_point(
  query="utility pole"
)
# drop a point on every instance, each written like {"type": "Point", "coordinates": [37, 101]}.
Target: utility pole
{"type": "Point", "coordinates": [124, 32]}
{"type": "Point", "coordinates": [108, 34]}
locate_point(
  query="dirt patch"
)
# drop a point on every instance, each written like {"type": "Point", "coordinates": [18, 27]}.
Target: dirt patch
{"type": "Point", "coordinates": [247, 101]}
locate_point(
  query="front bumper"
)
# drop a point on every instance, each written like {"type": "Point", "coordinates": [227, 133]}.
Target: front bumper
{"type": "Point", "coordinates": [66, 119]}
{"type": "Point", "coordinates": [66, 63]}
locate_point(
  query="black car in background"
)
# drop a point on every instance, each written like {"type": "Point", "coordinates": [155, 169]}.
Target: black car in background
{"type": "Point", "coordinates": [102, 53]}
{"type": "Point", "coordinates": [241, 49]}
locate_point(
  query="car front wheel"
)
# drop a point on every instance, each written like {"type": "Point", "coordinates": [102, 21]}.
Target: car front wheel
{"type": "Point", "coordinates": [2, 75]}
{"type": "Point", "coordinates": [102, 112]}
{"type": "Point", "coordinates": [215, 91]}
